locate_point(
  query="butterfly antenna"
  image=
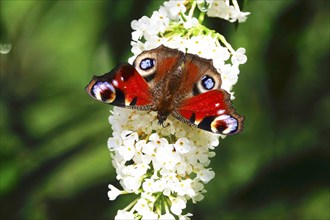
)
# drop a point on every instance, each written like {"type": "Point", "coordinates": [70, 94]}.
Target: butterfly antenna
{"type": "Point", "coordinates": [165, 125]}
{"type": "Point", "coordinates": [145, 124]}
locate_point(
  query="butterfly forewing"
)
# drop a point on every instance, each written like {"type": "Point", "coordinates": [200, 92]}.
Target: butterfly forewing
{"type": "Point", "coordinates": [195, 68]}
{"type": "Point", "coordinates": [123, 87]}
{"type": "Point", "coordinates": [165, 61]}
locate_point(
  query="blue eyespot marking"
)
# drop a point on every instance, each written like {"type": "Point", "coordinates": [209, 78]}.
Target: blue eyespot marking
{"type": "Point", "coordinates": [208, 82]}
{"type": "Point", "coordinates": [147, 63]}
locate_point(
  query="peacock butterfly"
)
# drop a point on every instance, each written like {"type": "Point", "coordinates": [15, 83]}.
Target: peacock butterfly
{"type": "Point", "coordinates": [170, 82]}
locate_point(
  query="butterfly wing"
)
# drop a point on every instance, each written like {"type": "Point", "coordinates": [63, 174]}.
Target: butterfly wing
{"type": "Point", "coordinates": [123, 87]}
{"type": "Point", "coordinates": [210, 111]}
{"type": "Point", "coordinates": [164, 61]}
{"type": "Point", "coordinates": [201, 102]}
{"type": "Point", "coordinates": [139, 85]}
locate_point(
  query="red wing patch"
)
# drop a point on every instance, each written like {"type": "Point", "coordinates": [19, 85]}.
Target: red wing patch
{"type": "Point", "coordinates": [123, 87]}
{"type": "Point", "coordinates": [211, 111]}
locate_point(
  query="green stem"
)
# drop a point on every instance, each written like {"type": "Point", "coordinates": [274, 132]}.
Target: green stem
{"type": "Point", "coordinates": [192, 9]}
{"type": "Point", "coordinates": [131, 205]}
{"type": "Point", "coordinates": [158, 195]}
{"type": "Point", "coordinates": [166, 206]}
{"type": "Point", "coordinates": [224, 41]}
{"type": "Point", "coordinates": [201, 17]}
{"type": "Point", "coordinates": [183, 16]}
{"type": "Point", "coordinates": [159, 205]}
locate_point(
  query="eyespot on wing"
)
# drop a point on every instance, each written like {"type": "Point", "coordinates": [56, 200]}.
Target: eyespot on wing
{"type": "Point", "coordinates": [101, 91]}
{"type": "Point", "coordinates": [227, 124]}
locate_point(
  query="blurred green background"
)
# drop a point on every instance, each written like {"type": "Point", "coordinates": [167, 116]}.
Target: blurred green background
{"type": "Point", "coordinates": [54, 158]}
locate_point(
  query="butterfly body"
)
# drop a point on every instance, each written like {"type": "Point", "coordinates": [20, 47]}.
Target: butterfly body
{"type": "Point", "coordinates": [170, 82]}
{"type": "Point", "coordinates": [167, 95]}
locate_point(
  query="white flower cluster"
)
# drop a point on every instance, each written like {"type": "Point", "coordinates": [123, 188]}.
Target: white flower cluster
{"type": "Point", "coordinates": [168, 166]}
{"type": "Point", "coordinates": [223, 9]}
{"type": "Point", "coordinates": [165, 166]}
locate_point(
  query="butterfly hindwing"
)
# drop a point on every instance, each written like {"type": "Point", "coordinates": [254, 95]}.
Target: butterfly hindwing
{"type": "Point", "coordinates": [123, 87]}
{"type": "Point", "coordinates": [210, 111]}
